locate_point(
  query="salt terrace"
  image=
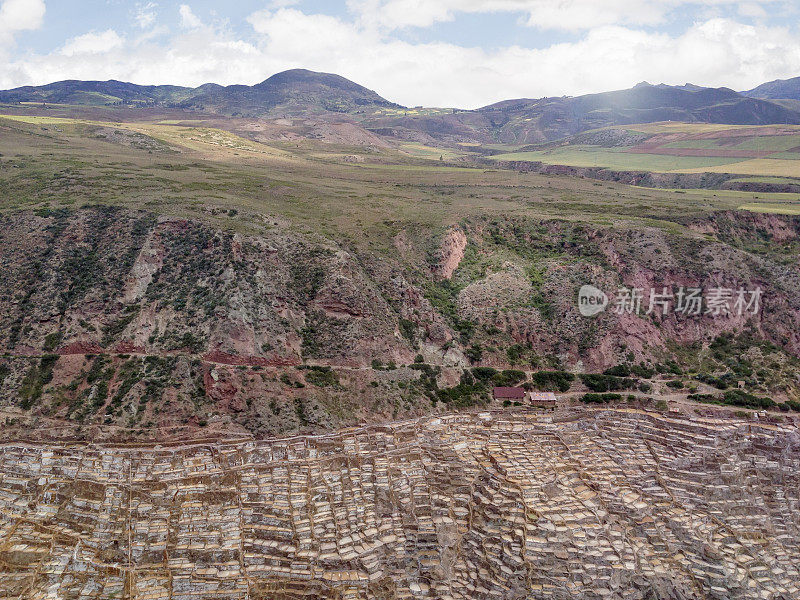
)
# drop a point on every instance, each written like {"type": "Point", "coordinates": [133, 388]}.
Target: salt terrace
{"type": "Point", "coordinates": [586, 504]}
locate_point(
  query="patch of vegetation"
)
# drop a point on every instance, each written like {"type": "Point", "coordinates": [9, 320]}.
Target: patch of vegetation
{"type": "Point", "coordinates": [721, 383]}
{"type": "Point", "coordinates": [469, 392]}
{"type": "Point", "coordinates": [300, 411]}
{"type": "Point", "coordinates": [293, 383]}
{"type": "Point", "coordinates": [52, 340]}
{"type": "Point", "coordinates": [322, 376]}
{"type": "Point", "coordinates": [736, 398]}
{"type": "Point", "coordinates": [669, 366]}
{"type": "Point", "coordinates": [37, 377]}
{"type": "Point", "coordinates": [130, 374]}
{"type": "Point", "coordinates": [515, 353]}
{"type": "Point", "coordinates": [408, 329]}
{"type": "Point", "coordinates": [113, 330]}
{"type": "Point", "coordinates": [508, 378]}
{"type": "Point", "coordinates": [442, 295]}
{"type": "Point", "coordinates": [552, 381]}
{"type": "Point", "coordinates": [377, 365]}
{"type": "Point", "coordinates": [484, 373]}
{"type": "Point", "coordinates": [190, 341]}
{"type": "Point", "coordinates": [489, 376]}
{"type": "Point", "coordinates": [190, 278]}
{"type": "Point", "coordinates": [308, 273]}
{"type": "Point", "coordinates": [474, 353]}
{"type": "Point", "coordinates": [607, 383]}
{"type": "Point", "coordinates": [592, 398]}
{"type": "Point", "coordinates": [310, 334]}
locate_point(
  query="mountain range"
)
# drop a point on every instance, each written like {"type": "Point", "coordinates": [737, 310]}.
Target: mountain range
{"type": "Point", "coordinates": [301, 92]}
{"type": "Point", "coordinates": [289, 91]}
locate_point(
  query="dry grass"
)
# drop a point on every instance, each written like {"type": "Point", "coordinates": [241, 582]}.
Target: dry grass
{"type": "Point", "coordinates": [760, 167]}
{"type": "Point", "coordinates": [305, 182]}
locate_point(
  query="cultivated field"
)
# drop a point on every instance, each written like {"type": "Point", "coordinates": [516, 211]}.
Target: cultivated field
{"type": "Point", "coordinates": [683, 148]}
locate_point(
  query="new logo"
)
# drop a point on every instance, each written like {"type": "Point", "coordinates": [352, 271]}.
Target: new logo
{"type": "Point", "coordinates": [591, 301]}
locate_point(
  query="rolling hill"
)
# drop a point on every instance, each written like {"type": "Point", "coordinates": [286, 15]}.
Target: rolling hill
{"type": "Point", "coordinates": [780, 89]}
{"type": "Point", "coordinates": [294, 91]}
{"type": "Point", "coordinates": [525, 121]}
{"type": "Point", "coordinates": [300, 92]}
{"type": "Point", "coordinates": [97, 93]}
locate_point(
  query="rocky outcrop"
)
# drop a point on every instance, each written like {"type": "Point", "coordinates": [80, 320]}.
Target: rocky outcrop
{"type": "Point", "coordinates": [150, 305]}
{"type": "Point", "coordinates": [451, 253]}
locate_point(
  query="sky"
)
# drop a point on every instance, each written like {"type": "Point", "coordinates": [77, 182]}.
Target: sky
{"type": "Point", "coordinates": [449, 53]}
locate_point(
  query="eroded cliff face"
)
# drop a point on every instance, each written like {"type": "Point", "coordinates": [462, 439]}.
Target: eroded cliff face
{"type": "Point", "coordinates": [128, 319]}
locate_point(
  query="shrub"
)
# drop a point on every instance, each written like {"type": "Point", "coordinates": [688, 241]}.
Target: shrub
{"type": "Point", "coordinates": [35, 380]}
{"type": "Point", "coordinates": [606, 383]}
{"type": "Point", "coordinates": [462, 395]}
{"type": "Point", "coordinates": [552, 381]}
{"type": "Point", "coordinates": [408, 330]}
{"type": "Point", "coordinates": [515, 353]}
{"type": "Point", "coordinates": [113, 330]}
{"type": "Point", "coordinates": [721, 383]}
{"type": "Point", "coordinates": [484, 373]}
{"type": "Point", "coordinates": [322, 376]}
{"type": "Point", "coordinates": [508, 378]}
{"type": "Point", "coordinates": [735, 398]}
{"type": "Point", "coordinates": [675, 384]}
{"type": "Point", "coordinates": [741, 398]}
{"type": "Point", "coordinates": [591, 398]}
{"type": "Point", "coordinates": [474, 353]}
{"type": "Point", "coordinates": [706, 398]}
{"type": "Point", "coordinates": [286, 380]}
{"type": "Point", "coordinates": [618, 371]}
{"type": "Point", "coordinates": [51, 341]}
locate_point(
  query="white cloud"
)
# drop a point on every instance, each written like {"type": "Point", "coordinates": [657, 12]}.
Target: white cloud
{"type": "Point", "coordinates": [19, 15]}
{"type": "Point", "coordinates": [716, 52]}
{"type": "Point", "coordinates": [93, 43]}
{"type": "Point", "coordinates": [752, 9]}
{"type": "Point", "coordinates": [188, 19]}
{"type": "Point", "coordinates": [145, 14]}
{"type": "Point", "coordinates": [283, 3]}
{"type": "Point", "coordinates": [569, 15]}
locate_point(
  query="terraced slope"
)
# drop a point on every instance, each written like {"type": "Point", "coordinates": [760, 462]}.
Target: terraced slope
{"type": "Point", "coordinates": [582, 504]}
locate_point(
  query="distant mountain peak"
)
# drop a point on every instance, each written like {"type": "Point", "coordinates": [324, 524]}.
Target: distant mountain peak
{"type": "Point", "coordinates": [780, 89]}
{"type": "Point", "coordinates": [304, 76]}
{"type": "Point", "coordinates": [292, 91]}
